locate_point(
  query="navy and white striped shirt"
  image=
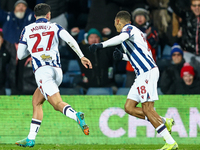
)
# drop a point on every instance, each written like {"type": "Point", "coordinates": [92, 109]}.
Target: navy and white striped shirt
{"type": "Point", "coordinates": [41, 40]}
{"type": "Point", "coordinates": [135, 47]}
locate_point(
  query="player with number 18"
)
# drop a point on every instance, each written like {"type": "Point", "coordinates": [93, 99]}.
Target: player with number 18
{"type": "Point", "coordinates": [144, 89]}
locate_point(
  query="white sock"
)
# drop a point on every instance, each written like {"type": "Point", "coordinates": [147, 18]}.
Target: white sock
{"type": "Point", "coordinates": [69, 112]}
{"type": "Point", "coordinates": [162, 130]}
{"type": "Point", "coordinates": [163, 119]}
{"type": "Point", "coordinates": [34, 128]}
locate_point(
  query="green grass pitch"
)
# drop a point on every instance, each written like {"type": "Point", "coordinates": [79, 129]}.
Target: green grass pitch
{"type": "Point", "coordinates": [94, 147]}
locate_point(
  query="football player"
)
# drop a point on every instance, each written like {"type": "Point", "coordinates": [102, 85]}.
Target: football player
{"type": "Point", "coordinates": [144, 89]}
{"type": "Point", "coordinates": [40, 40]}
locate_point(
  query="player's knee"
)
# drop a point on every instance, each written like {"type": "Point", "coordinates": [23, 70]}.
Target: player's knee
{"type": "Point", "coordinates": [36, 104]}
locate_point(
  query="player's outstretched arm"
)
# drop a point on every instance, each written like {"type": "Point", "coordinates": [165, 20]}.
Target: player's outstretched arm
{"type": "Point", "coordinates": [71, 42]}
{"type": "Point", "coordinates": [86, 62]}
{"type": "Point", "coordinates": [116, 40]}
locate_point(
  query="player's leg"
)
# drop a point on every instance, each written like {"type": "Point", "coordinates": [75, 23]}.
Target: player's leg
{"type": "Point", "coordinates": [148, 96]}
{"type": "Point", "coordinates": [156, 121]}
{"type": "Point", "coordinates": [48, 79]}
{"type": "Point", "coordinates": [37, 101]}
{"type": "Point", "coordinates": [133, 99]}
{"type": "Point", "coordinates": [56, 101]}
{"type": "Point", "coordinates": [144, 90]}
{"type": "Point", "coordinates": [149, 111]}
{"type": "Point", "coordinates": [132, 109]}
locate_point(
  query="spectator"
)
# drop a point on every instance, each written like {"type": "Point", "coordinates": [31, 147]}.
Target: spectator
{"type": "Point", "coordinates": [189, 83]}
{"type": "Point", "coordinates": [4, 60]}
{"type": "Point", "coordinates": [160, 15]}
{"type": "Point", "coordinates": [13, 23]}
{"type": "Point", "coordinates": [190, 25]}
{"type": "Point", "coordinates": [102, 73]}
{"type": "Point", "coordinates": [172, 72]}
{"type": "Point", "coordinates": [189, 31]}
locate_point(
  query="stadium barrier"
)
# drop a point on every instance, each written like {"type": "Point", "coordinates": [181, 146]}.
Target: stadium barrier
{"type": "Point", "coordinates": [108, 122]}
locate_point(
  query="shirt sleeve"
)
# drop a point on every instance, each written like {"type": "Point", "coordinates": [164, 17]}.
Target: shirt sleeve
{"type": "Point", "coordinates": [22, 51]}
{"type": "Point", "coordinates": [22, 38]}
{"type": "Point", "coordinates": [64, 35]}
{"type": "Point", "coordinates": [116, 40]}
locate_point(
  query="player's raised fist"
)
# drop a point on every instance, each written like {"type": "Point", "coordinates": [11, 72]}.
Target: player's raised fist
{"type": "Point", "coordinates": [94, 47]}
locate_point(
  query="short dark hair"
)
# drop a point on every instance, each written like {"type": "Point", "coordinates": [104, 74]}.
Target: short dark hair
{"type": "Point", "coordinates": [41, 9]}
{"type": "Point", "coordinates": [124, 15]}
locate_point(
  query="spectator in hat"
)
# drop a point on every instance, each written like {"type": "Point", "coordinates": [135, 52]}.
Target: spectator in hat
{"type": "Point", "coordinates": [101, 75]}
{"type": "Point", "coordinates": [4, 60]}
{"type": "Point", "coordinates": [189, 83]}
{"type": "Point", "coordinates": [140, 18]}
{"type": "Point", "coordinates": [172, 72]}
{"type": "Point", "coordinates": [12, 24]}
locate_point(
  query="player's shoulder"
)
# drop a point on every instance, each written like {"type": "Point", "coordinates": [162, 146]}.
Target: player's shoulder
{"type": "Point", "coordinates": [128, 27]}
{"type": "Point", "coordinates": [27, 27]}
{"type": "Point", "coordinates": [56, 25]}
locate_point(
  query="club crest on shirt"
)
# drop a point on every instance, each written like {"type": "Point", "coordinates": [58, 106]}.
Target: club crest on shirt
{"type": "Point", "coordinates": [46, 57]}
{"type": "Point", "coordinates": [128, 29]}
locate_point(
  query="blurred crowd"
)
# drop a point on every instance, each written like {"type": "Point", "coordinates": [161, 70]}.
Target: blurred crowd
{"type": "Point", "coordinates": [171, 28]}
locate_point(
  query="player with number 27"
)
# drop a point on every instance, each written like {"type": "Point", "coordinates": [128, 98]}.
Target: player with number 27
{"type": "Point", "coordinates": [40, 40]}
